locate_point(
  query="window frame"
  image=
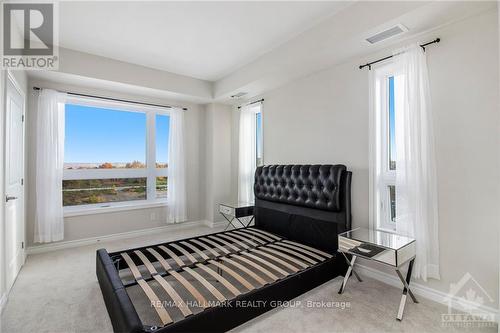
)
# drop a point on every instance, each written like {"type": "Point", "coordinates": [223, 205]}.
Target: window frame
{"type": "Point", "coordinates": [150, 172]}
{"type": "Point", "coordinates": [382, 177]}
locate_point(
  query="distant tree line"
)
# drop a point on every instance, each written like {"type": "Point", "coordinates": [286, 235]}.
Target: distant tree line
{"type": "Point", "coordinates": [131, 165]}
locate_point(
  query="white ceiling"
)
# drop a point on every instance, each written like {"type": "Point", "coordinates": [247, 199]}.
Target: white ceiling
{"type": "Point", "coordinates": [205, 40]}
{"type": "Point", "coordinates": [341, 38]}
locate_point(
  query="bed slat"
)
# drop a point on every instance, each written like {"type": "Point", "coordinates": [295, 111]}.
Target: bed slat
{"type": "Point", "coordinates": [172, 255]}
{"type": "Point", "coordinates": [266, 233]}
{"type": "Point", "coordinates": [155, 301]}
{"type": "Point", "coordinates": [278, 260]}
{"type": "Point", "coordinates": [184, 252]}
{"type": "Point", "coordinates": [160, 259]}
{"type": "Point", "coordinates": [166, 286]}
{"type": "Point", "coordinates": [245, 269]}
{"type": "Point", "coordinates": [214, 291]}
{"type": "Point", "coordinates": [251, 236]}
{"type": "Point", "coordinates": [221, 279]}
{"type": "Point", "coordinates": [231, 246]}
{"type": "Point", "coordinates": [245, 239]}
{"type": "Point", "coordinates": [234, 240]}
{"type": "Point", "coordinates": [196, 294]}
{"type": "Point", "coordinates": [196, 250]}
{"type": "Point", "coordinates": [309, 253]}
{"type": "Point", "coordinates": [206, 247]}
{"type": "Point", "coordinates": [256, 234]}
{"type": "Point", "coordinates": [297, 248]}
{"type": "Point", "coordinates": [217, 245]}
{"type": "Point", "coordinates": [265, 262]}
{"type": "Point", "coordinates": [257, 267]}
{"type": "Point", "coordinates": [173, 295]}
{"type": "Point", "coordinates": [231, 272]}
{"type": "Point", "coordinates": [294, 253]}
{"type": "Point", "coordinates": [324, 254]}
{"type": "Point", "coordinates": [146, 262]}
{"type": "Point", "coordinates": [286, 256]}
{"type": "Point", "coordinates": [199, 297]}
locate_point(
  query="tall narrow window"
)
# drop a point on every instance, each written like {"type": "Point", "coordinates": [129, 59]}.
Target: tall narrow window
{"type": "Point", "coordinates": [392, 126]}
{"type": "Point", "coordinates": [250, 152]}
{"type": "Point", "coordinates": [258, 138]}
{"type": "Point", "coordinates": [384, 145]}
{"type": "Point", "coordinates": [162, 137]}
{"type": "Point", "coordinates": [111, 156]}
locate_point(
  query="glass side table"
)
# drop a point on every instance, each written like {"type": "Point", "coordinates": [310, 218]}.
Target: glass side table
{"type": "Point", "coordinates": [235, 211]}
{"type": "Point", "coordinates": [381, 247]}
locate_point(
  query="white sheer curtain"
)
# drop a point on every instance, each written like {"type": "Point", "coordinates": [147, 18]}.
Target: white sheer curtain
{"type": "Point", "coordinates": [247, 152]}
{"type": "Point", "coordinates": [49, 220]}
{"type": "Point", "coordinates": [176, 198]}
{"type": "Point", "coordinates": [416, 187]}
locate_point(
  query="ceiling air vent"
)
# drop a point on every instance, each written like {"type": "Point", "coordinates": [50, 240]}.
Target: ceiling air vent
{"type": "Point", "coordinates": [391, 32]}
{"type": "Point", "coordinates": [239, 95]}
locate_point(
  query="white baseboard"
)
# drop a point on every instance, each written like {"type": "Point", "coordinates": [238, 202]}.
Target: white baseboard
{"type": "Point", "coordinates": [215, 224]}
{"type": "Point", "coordinates": [419, 289]}
{"type": "Point", "coordinates": [124, 235]}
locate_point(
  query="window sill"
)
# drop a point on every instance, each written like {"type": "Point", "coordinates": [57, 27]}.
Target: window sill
{"type": "Point", "coordinates": [111, 208]}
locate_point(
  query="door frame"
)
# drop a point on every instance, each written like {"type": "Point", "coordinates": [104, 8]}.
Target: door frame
{"type": "Point", "coordinates": [10, 77]}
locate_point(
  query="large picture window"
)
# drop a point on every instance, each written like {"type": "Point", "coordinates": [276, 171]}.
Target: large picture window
{"type": "Point", "coordinates": [384, 199]}
{"type": "Point", "coordinates": [114, 155]}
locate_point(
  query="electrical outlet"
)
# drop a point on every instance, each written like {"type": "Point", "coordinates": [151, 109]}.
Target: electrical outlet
{"type": "Point", "coordinates": [152, 216]}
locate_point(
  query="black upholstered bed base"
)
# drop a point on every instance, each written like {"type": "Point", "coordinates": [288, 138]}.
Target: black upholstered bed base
{"type": "Point", "coordinates": [215, 282]}
{"type": "Point", "coordinates": [303, 271]}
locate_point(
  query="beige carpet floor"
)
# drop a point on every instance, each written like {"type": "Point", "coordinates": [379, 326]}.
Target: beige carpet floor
{"type": "Point", "coordinates": [58, 292]}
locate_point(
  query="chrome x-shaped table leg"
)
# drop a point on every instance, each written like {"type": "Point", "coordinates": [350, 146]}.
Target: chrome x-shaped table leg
{"type": "Point", "coordinates": [248, 223]}
{"type": "Point", "coordinates": [350, 270]}
{"type": "Point", "coordinates": [406, 289]}
{"type": "Point", "coordinates": [230, 222]}
{"type": "Point", "coordinates": [237, 219]}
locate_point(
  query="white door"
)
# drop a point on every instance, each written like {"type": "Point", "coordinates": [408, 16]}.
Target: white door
{"type": "Point", "coordinates": [14, 189]}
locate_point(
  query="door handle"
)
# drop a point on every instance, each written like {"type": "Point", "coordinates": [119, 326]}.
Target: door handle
{"type": "Point", "coordinates": [9, 198]}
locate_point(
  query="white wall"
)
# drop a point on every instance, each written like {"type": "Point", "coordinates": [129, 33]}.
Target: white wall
{"type": "Point", "coordinates": [217, 167]}
{"type": "Point", "coordinates": [95, 225]}
{"type": "Point", "coordinates": [323, 118]}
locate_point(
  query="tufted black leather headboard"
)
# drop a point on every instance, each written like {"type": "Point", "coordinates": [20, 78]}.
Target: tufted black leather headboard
{"type": "Point", "coordinates": [314, 186]}
{"type": "Point", "coordinates": [309, 203]}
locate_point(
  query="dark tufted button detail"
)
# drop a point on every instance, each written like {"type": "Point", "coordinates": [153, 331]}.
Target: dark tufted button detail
{"type": "Point", "coordinates": [313, 186]}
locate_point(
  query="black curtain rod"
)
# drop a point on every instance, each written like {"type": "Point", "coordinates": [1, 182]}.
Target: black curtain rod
{"type": "Point", "coordinates": [260, 100]}
{"type": "Point", "coordinates": [116, 99]}
{"type": "Point", "coordinates": [369, 65]}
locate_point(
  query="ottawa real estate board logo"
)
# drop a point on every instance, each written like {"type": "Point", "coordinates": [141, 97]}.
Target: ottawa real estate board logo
{"type": "Point", "coordinates": [29, 36]}
{"type": "Point", "coordinates": [469, 305]}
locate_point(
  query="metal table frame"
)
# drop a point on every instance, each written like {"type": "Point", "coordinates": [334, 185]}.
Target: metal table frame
{"type": "Point", "coordinates": [405, 280]}
{"type": "Point", "coordinates": [238, 219]}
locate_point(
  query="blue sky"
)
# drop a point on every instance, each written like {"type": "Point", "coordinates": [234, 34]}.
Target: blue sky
{"type": "Point", "coordinates": [162, 137]}
{"type": "Point", "coordinates": [95, 135]}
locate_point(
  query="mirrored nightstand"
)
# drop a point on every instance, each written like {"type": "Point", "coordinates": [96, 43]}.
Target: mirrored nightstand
{"type": "Point", "coordinates": [382, 247]}
{"type": "Point", "coordinates": [236, 211]}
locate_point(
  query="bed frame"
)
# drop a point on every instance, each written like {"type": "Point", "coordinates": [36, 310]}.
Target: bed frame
{"type": "Point", "coordinates": [219, 281]}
